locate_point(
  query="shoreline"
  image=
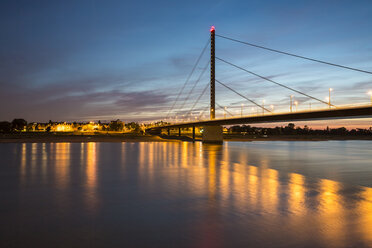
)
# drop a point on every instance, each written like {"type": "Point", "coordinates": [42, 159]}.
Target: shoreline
{"type": "Point", "coordinates": [299, 138]}
{"type": "Point", "coordinates": [59, 138]}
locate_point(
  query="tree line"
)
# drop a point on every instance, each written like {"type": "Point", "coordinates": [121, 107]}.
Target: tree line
{"type": "Point", "coordinates": [19, 125]}
{"type": "Point", "coordinates": [16, 125]}
{"type": "Point", "coordinates": [291, 129]}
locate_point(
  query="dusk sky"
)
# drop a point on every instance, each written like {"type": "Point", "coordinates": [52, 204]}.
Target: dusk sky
{"type": "Point", "coordinates": [104, 60]}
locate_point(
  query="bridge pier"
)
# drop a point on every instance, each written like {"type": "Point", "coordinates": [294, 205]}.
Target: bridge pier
{"type": "Point", "coordinates": [193, 133]}
{"type": "Point", "coordinates": [179, 132]}
{"type": "Point", "coordinates": [168, 129]}
{"type": "Point", "coordinates": [212, 134]}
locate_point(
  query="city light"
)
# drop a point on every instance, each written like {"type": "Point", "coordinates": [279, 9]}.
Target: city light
{"type": "Point", "coordinates": [272, 107]}
{"type": "Point", "coordinates": [296, 103]}
{"type": "Point", "coordinates": [290, 103]}
{"type": "Point", "coordinates": [327, 99]}
{"type": "Point", "coordinates": [63, 128]}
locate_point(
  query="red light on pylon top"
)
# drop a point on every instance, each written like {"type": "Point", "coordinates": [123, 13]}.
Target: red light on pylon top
{"type": "Point", "coordinates": [212, 29]}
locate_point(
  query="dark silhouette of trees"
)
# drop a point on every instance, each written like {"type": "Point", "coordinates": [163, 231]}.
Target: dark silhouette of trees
{"type": "Point", "coordinates": [134, 126]}
{"type": "Point", "coordinates": [291, 126]}
{"type": "Point", "coordinates": [30, 127]}
{"type": "Point", "coordinates": [291, 129]}
{"type": "Point", "coordinates": [116, 125]}
{"type": "Point", "coordinates": [5, 127]}
{"type": "Point", "coordinates": [19, 124]}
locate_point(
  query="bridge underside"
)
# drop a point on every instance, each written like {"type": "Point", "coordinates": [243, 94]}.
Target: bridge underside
{"type": "Point", "coordinates": [339, 113]}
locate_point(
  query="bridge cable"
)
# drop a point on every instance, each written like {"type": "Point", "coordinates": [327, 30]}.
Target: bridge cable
{"type": "Point", "coordinates": [225, 109]}
{"type": "Point", "coordinates": [274, 82]}
{"type": "Point", "coordinates": [242, 95]}
{"type": "Point", "coordinates": [188, 78]}
{"type": "Point", "coordinates": [197, 100]}
{"type": "Point", "coordinates": [196, 82]}
{"type": "Point", "coordinates": [294, 55]}
{"type": "Point", "coordinates": [201, 113]}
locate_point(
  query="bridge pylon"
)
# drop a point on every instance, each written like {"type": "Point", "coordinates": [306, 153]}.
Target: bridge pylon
{"type": "Point", "coordinates": [213, 81]}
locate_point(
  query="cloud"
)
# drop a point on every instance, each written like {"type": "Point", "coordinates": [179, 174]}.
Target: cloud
{"type": "Point", "coordinates": [366, 85]}
{"type": "Point", "coordinates": [78, 99]}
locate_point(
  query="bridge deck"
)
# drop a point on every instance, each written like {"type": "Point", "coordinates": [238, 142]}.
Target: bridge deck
{"type": "Point", "coordinates": [338, 113]}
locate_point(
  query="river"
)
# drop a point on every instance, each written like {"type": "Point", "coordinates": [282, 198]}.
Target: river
{"type": "Point", "coordinates": [182, 194]}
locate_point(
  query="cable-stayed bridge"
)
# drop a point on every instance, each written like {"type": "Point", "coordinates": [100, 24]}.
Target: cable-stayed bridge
{"type": "Point", "coordinates": [265, 114]}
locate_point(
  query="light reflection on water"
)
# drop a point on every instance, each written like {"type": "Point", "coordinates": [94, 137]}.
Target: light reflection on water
{"type": "Point", "coordinates": [179, 194]}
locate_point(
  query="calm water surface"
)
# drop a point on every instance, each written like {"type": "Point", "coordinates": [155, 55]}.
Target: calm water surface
{"type": "Point", "coordinates": [179, 194]}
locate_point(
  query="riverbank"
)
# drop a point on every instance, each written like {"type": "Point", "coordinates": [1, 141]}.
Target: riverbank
{"type": "Point", "coordinates": [130, 137]}
{"type": "Point", "coordinates": [57, 138]}
{"type": "Point", "coordinates": [295, 138]}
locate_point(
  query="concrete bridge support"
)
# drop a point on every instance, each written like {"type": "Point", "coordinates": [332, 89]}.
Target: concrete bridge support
{"type": "Point", "coordinates": [212, 134]}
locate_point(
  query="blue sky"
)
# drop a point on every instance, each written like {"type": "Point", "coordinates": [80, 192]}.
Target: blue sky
{"type": "Point", "coordinates": [91, 60]}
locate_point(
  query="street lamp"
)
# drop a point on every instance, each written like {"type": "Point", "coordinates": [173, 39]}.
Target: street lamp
{"type": "Point", "coordinates": [272, 107]}
{"type": "Point", "coordinates": [370, 94]}
{"type": "Point", "coordinates": [329, 98]}
{"type": "Point", "coordinates": [290, 103]}
{"type": "Point", "coordinates": [224, 113]}
{"type": "Point", "coordinates": [296, 103]}
{"type": "Point", "coordinates": [263, 106]}
{"type": "Point", "coordinates": [241, 110]}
